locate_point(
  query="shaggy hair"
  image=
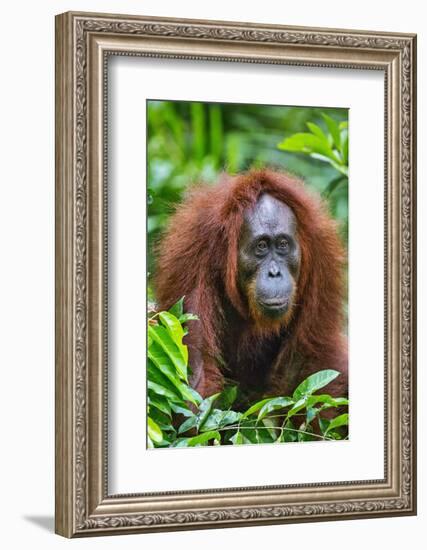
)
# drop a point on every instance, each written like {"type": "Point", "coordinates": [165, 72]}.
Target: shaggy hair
{"type": "Point", "coordinates": [198, 259]}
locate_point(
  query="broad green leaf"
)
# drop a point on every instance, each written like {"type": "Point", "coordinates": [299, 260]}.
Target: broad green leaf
{"type": "Point", "coordinates": [179, 390]}
{"type": "Point", "coordinates": [178, 308]}
{"type": "Point", "coordinates": [188, 424]}
{"type": "Point", "coordinates": [256, 407]}
{"type": "Point", "coordinates": [173, 326]}
{"type": "Point", "coordinates": [308, 143]}
{"type": "Point", "coordinates": [217, 419]}
{"type": "Point", "coordinates": [304, 433]}
{"type": "Point", "coordinates": [338, 401]}
{"type": "Point", "coordinates": [323, 424]}
{"type": "Point", "coordinates": [299, 405]}
{"type": "Point", "coordinates": [161, 419]}
{"type": "Point", "coordinates": [160, 335]}
{"type": "Point", "coordinates": [314, 382]}
{"type": "Point", "coordinates": [227, 397]}
{"type": "Point", "coordinates": [181, 442]}
{"type": "Point", "coordinates": [180, 409]}
{"type": "Point", "coordinates": [326, 400]}
{"type": "Point", "coordinates": [316, 130]}
{"type": "Point", "coordinates": [161, 404]}
{"type": "Point", "coordinates": [272, 427]}
{"type": "Point", "coordinates": [162, 361]}
{"type": "Point", "coordinates": [237, 438]}
{"type": "Point", "coordinates": [256, 432]}
{"type": "Point", "coordinates": [159, 359]}
{"type": "Point", "coordinates": [265, 434]}
{"type": "Point", "coordinates": [205, 408]}
{"type": "Point", "coordinates": [341, 420]}
{"type": "Point", "coordinates": [154, 432]}
{"type": "Point", "coordinates": [333, 129]}
{"type": "Point", "coordinates": [275, 404]}
{"type": "Point", "coordinates": [203, 438]}
{"type": "Point", "coordinates": [289, 435]}
{"type": "Point", "coordinates": [311, 414]}
{"type": "Point", "coordinates": [159, 389]}
{"type": "Point", "coordinates": [196, 397]}
{"type": "Point", "coordinates": [155, 375]}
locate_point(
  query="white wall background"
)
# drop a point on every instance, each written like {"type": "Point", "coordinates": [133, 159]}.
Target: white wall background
{"type": "Point", "coordinates": [27, 272]}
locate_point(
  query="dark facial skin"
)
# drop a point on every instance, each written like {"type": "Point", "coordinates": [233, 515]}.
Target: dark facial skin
{"type": "Point", "coordinates": [269, 257]}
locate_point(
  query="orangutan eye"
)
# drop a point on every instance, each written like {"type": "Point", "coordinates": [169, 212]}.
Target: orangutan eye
{"type": "Point", "coordinates": [262, 247]}
{"type": "Point", "coordinates": [283, 245]}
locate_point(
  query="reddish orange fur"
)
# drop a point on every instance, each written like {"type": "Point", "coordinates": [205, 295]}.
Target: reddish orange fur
{"type": "Point", "coordinates": [198, 259]}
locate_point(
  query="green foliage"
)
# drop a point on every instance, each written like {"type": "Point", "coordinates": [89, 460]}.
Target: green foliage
{"type": "Point", "coordinates": [177, 416]}
{"type": "Point", "coordinates": [330, 146]}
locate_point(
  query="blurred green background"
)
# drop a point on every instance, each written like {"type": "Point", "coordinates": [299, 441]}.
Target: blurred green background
{"type": "Point", "coordinates": [190, 142]}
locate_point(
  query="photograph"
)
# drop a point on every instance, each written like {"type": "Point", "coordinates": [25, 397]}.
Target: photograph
{"type": "Point", "coordinates": [247, 222]}
{"type": "Point", "coordinates": [235, 274]}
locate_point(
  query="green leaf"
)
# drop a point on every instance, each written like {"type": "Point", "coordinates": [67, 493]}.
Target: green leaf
{"type": "Point", "coordinates": [178, 308]}
{"type": "Point", "coordinates": [333, 129]}
{"type": "Point", "coordinates": [178, 409]}
{"type": "Point", "coordinates": [289, 435]}
{"type": "Point", "coordinates": [227, 397]}
{"type": "Point", "coordinates": [237, 438]}
{"type": "Point", "coordinates": [308, 143]}
{"type": "Point", "coordinates": [158, 359]}
{"type": "Point", "coordinates": [174, 328]}
{"type": "Point", "coordinates": [162, 361]}
{"type": "Point", "coordinates": [323, 424]}
{"type": "Point", "coordinates": [203, 438]}
{"type": "Point", "coordinates": [176, 390]}
{"type": "Point", "coordinates": [299, 405]}
{"type": "Point", "coordinates": [188, 424]}
{"type": "Point", "coordinates": [196, 397]}
{"type": "Point", "coordinates": [304, 434]}
{"type": "Point", "coordinates": [160, 418]}
{"type": "Point", "coordinates": [341, 420]}
{"type": "Point", "coordinates": [256, 407]}
{"type": "Point", "coordinates": [274, 404]}
{"type": "Point", "coordinates": [314, 382]}
{"type": "Point", "coordinates": [273, 429]}
{"type": "Point", "coordinates": [327, 400]}
{"type": "Point", "coordinates": [160, 335]}
{"type": "Point", "coordinates": [311, 414]}
{"type": "Point", "coordinates": [316, 130]}
{"type": "Point", "coordinates": [217, 419]}
{"type": "Point", "coordinates": [154, 432]}
{"type": "Point", "coordinates": [159, 389]}
{"type": "Point", "coordinates": [154, 375]}
{"type": "Point", "coordinates": [205, 408]}
{"type": "Point", "coordinates": [160, 404]}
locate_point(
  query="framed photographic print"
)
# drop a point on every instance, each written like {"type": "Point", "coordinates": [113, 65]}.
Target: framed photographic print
{"type": "Point", "coordinates": [235, 274]}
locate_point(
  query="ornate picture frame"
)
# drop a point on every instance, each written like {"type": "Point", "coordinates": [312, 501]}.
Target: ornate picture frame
{"type": "Point", "coordinates": [84, 43]}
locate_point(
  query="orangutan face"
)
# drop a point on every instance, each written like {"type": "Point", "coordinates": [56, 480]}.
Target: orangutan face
{"type": "Point", "coordinates": [269, 259]}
